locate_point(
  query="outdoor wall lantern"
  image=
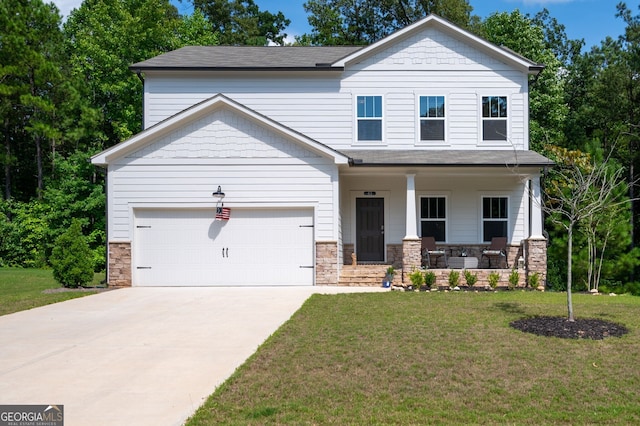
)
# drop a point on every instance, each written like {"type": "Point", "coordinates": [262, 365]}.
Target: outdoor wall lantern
{"type": "Point", "coordinates": [218, 194]}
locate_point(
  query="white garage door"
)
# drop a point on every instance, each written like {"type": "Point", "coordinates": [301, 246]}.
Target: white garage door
{"type": "Point", "coordinates": [181, 247]}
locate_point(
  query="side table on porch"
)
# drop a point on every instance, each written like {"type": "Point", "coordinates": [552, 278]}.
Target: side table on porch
{"type": "Point", "coordinates": [463, 262]}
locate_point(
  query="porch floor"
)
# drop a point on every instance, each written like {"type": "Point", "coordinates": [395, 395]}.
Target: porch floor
{"type": "Point", "coordinates": [373, 275]}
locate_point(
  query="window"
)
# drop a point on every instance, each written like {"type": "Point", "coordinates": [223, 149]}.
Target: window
{"type": "Point", "coordinates": [433, 217]}
{"type": "Point", "coordinates": [495, 217]}
{"type": "Point", "coordinates": [431, 118]}
{"type": "Point", "coordinates": [494, 118]}
{"type": "Point", "coordinates": [369, 118]}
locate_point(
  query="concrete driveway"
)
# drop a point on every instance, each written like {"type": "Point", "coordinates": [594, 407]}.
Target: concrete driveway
{"type": "Point", "coordinates": [138, 356]}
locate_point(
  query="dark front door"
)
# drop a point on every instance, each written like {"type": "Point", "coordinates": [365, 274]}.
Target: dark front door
{"type": "Point", "coordinates": [370, 229]}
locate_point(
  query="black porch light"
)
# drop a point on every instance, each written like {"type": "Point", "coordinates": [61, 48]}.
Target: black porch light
{"type": "Point", "coordinates": [218, 194]}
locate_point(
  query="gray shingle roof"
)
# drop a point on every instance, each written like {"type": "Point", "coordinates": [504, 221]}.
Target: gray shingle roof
{"type": "Point", "coordinates": [247, 58]}
{"type": "Point", "coordinates": [445, 158]}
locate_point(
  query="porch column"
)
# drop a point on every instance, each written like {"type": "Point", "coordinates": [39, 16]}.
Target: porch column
{"type": "Point", "coordinates": [411, 226]}
{"type": "Point", "coordinates": [536, 209]}
{"type": "Point", "coordinates": [411, 257]}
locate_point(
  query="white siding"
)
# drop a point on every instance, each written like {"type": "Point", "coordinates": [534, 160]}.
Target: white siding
{"type": "Point", "coordinates": [259, 169]}
{"type": "Point", "coordinates": [322, 106]}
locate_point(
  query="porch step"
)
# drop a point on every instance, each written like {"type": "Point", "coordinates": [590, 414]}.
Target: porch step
{"type": "Point", "coordinates": [366, 275]}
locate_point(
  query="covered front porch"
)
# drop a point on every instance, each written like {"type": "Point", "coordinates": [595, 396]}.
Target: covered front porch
{"type": "Point", "coordinates": [387, 209]}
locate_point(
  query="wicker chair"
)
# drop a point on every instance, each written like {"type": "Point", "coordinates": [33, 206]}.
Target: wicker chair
{"type": "Point", "coordinates": [430, 250]}
{"type": "Point", "coordinates": [497, 249]}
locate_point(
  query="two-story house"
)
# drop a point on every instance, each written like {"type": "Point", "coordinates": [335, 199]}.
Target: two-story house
{"type": "Point", "coordinates": [324, 154]}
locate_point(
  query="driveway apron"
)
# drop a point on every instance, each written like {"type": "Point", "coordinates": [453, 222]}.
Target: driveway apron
{"type": "Point", "coordinates": [138, 356]}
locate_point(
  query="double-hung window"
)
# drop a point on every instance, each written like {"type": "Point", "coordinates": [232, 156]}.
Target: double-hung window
{"type": "Point", "coordinates": [433, 218]}
{"type": "Point", "coordinates": [494, 118]}
{"type": "Point", "coordinates": [495, 217]}
{"type": "Point", "coordinates": [369, 113]}
{"type": "Point", "coordinates": [432, 118]}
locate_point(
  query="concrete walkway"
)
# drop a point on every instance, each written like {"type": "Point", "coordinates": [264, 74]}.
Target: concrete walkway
{"type": "Point", "coordinates": [139, 356]}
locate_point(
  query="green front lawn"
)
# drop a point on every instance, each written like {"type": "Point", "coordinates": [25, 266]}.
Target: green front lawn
{"type": "Point", "coordinates": [22, 289]}
{"type": "Point", "coordinates": [435, 358]}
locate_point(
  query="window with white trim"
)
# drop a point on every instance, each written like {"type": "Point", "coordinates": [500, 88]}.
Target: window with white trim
{"type": "Point", "coordinates": [369, 113]}
{"type": "Point", "coordinates": [432, 118]}
{"type": "Point", "coordinates": [494, 118]}
{"type": "Point", "coordinates": [433, 218]}
{"type": "Point", "coordinates": [495, 217]}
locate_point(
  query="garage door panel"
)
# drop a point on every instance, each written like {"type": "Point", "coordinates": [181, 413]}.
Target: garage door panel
{"type": "Point", "coordinates": [255, 247]}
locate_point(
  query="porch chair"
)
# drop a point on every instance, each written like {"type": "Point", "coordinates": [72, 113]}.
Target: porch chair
{"type": "Point", "coordinates": [430, 250]}
{"type": "Point", "coordinates": [497, 248]}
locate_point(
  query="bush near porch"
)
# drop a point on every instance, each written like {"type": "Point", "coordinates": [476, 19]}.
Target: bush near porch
{"type": "Point", "coordinates": [440, 358]}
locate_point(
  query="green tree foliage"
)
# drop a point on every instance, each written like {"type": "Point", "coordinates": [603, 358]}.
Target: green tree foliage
{"type": "Point", "coordinates": [39, 104]}
{"type": "Point", "coordinates": [526, 36]}
{"type": "Point", "coordinates": [241, 22]}
{"type": "Point", "coordinates": [71, 258]}
{"type": "Point", "coordinates": [195, 30]}
{"type": "Point", "coordinates": [103, 38]}
{"type": "Point", "coordinates": [357, 22]}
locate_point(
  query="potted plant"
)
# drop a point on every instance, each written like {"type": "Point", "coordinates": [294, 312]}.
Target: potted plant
{"type": "Point", "coordinates": [514, 278]}
{"type": "Point", "coordinates": [417, 279]}
{"type": "Point", "coordinates": [388, 278]}
{"type": "Point", "coordinates": [454, 279]}
{"type": "Point", "coordinates": [494, 277]}
{"type": "Point", "coordinates": [429, 279]}
{"type": "Point", "coordinates": [470, 278]}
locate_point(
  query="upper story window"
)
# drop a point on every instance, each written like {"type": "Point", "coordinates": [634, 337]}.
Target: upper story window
{"type": "Point", "coordinates": [433, 218]}
{"type": "Point", "coordinates": [432, 118]}
{"type": "Point", "coordinates": [495, 217]}
{"type": "Point", "coordinates": [369, 118]}
{"type": "Point", "coordinates": [494, 118]}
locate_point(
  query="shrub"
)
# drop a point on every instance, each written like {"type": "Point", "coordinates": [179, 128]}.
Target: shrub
{"type": "Point", "coordinates": [454, 278]}
{"type": "Point", "coordinates": [494, 277]}
{"type": "Point", "coordinates": [72, 259]}
{"type": "Point", "coordinates": [429, 279]}
{"type": "Point", "coordinates": [470, 278]}
{"type": "Point", "coordinates": [534, 280]}
{"type": "Point", "coordinates": [416, 278]}
{"type": "Point", "coordinates": [514, 277]}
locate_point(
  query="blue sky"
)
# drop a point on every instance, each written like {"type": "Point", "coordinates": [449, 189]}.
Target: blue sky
{"type": "Point", "coordinates": [591, 20]}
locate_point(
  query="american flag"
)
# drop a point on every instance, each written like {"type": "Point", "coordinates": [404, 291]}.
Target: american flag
{"type": "Point", "coordinates": [222, 213]}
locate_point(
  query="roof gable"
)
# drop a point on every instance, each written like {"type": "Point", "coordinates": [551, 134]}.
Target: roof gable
{"type": "Point", "coordinates": [229, 117]}
{"type": "Point", "coordinates": [450, 30]}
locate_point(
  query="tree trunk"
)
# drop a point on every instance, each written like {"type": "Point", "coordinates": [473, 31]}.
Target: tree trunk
{"type": "Point", "coordinates": [7, 163]}
{"type": "Point", "coordinates": [39, 166]}
{"type": "Point", "coordinates": [569, 254]}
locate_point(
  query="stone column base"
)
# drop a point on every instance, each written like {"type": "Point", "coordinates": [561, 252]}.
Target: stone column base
{"type": "Point", "coordinates": [327, 263]}
{"type": "Point", "coordinates": [119, 265]}
{"type": "Point", "coordinates": [536, 258]}
{"type": "Point", "coordinates": [411, 257]}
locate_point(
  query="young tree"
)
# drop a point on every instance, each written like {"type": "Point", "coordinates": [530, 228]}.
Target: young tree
{"type": "Point", "coordinates": [577, 190]}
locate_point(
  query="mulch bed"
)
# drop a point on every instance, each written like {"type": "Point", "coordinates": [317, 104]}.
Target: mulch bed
{"type": "Point", "coordinates": [588, 328]}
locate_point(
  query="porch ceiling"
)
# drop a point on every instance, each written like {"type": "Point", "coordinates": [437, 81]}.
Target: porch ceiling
{"type": "Point", "coordinates": [446, 158]}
